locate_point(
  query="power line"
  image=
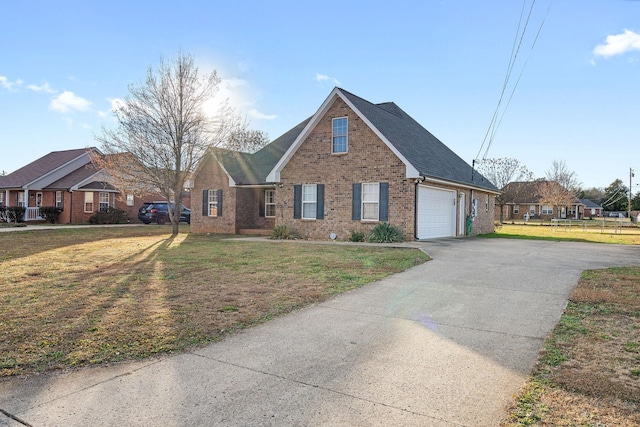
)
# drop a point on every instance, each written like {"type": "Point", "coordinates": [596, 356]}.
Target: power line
{"type": "Point", "coordinates": [518, 41]}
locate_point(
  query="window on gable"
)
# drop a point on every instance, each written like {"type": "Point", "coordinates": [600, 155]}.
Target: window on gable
{"type": "Point", "coordinates": [212, 203]}
{"type": "Point", "coordinates": [270, 203]}
{"type": "Point", "coordinates": [486, 203]}
{"type": "Point", "coordinates": [309, 201]}
{"type": "Point", "coordinates": [370, 201]}
{"type": "Point", "coordinates": [103, 201]}
{"type": "Point", "coordinates": [339, 135]}
{"type": "Point", "coordinates": [88, 201]}
{"type": "Point", "coordinates": [130, 200]}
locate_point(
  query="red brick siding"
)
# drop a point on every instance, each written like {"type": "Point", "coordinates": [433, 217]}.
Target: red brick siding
{"type": "Point", "coordinates": [367, 159]}
{"type": "Point", "coordinates": [211, 176]}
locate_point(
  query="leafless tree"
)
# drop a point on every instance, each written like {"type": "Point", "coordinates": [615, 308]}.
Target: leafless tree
{"type": "Point", "coordinates": [561, 187]}
{"type": "Point", "coordinates": [501, 172]}
{"type": "Point", "coordinates": [248, 141]}
{"type": "Point", "coordinates": [163, 131]}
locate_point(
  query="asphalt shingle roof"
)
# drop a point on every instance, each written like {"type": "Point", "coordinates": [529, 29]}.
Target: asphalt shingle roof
{"type": "Point", "coordinates": [423, 150]}
{"type": "Point", "coordinates": [40, 167]}
{"type": "Point", "coordinates": [247, 168]}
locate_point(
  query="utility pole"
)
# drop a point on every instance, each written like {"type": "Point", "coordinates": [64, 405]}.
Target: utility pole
{"type": "Point", "coordinates": [631, 175]}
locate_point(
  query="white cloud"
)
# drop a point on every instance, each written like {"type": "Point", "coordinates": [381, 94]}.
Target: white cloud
{"type": "Point", "coordinates": [68, 101]}
{"type": "Point", "coordinates": [42, 88]}
{"type": "Point", "coordinates": [261, 116]}
{"type": "Point", "coordinates": [325, 78]}
{"type": "Point", "coordinates": [618, 44]}
{"type": "Point", "coordinates": [5, 83]}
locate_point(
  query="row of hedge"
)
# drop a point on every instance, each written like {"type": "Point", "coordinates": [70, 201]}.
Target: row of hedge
{"type": "Point", "coordinates": [51, 214]}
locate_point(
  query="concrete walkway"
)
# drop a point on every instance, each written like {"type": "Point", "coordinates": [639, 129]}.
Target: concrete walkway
{"type": "Point", "coordinates": [447, 343]}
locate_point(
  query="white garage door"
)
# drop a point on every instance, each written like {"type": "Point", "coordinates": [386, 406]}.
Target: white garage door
{"type": "Point", "coordinates": [436, 213]}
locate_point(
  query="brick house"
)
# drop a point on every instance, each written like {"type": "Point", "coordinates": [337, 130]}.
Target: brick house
{"type": "Point", "coordinates": [526, 200]}
{"type": "Point", "coordinates": [67, 180]}
{"type": "Point", "coordinates": [348, 167]}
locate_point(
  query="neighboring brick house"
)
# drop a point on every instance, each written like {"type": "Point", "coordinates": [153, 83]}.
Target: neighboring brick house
{"type": "Point", "coordinates": [348, 167]}
{"type": "Point", "coordinates": [590, 209]}
{"type": "Point", "coordinates": [68, 180]}
{"type": "Point", "coordinates": [526, 200]}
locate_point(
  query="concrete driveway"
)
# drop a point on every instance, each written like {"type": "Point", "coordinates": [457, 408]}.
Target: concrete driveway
{"type": "Point", "coordinates": [447, 343]}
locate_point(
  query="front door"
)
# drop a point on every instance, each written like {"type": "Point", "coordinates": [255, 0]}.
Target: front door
{"type": "Point", "coordinates": [38, 199]}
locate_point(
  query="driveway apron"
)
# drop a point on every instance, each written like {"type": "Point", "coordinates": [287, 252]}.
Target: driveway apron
{"type": "Point", "coordinates": [447, 343]}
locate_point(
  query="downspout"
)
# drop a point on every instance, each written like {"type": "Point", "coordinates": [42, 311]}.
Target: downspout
{"type": "Point", "coordinates": [70, 207]}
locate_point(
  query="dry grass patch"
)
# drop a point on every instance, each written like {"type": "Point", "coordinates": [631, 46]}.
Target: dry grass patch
{"type": "Point", "coordinates": [629, 235]}
{"type": "Point", "coordinates": [589, 371]}
{"type": "Point", "coordinates": [87, 296]}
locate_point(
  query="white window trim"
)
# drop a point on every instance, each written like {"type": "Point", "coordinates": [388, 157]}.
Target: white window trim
{"type": "Point", "coordinates": [101, 202]}
{"type": "Point", "coordinates": [546, 210]}
{"type": "Point", "coordinates": [364, 202]}
{"type": "Point", "coordinates": [532, 209]}
{"type": "Point", "coordinates": [334, 136]}
{"type": "Point", "coordinates": [304, 202]}
{"type": "Point", "coordinates": [130, 199]}
{"type": "Point", "coordinates": [212, 201]}
{"type": "Point", "coordinates": [88, 201]}
{"type": "Point", "coordinates": [268, 204]}
{"type": "Point", "coordinates": [2, 198]}
{"type": "Point", "coordinates": [516, 209]}
{"type": "Point", "coordinates": [59, 199]}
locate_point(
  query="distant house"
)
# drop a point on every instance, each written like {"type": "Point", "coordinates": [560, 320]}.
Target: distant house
{"type": "Point", "coordinates": [67, 180]}
{"type": "Point", "coordinates": [526, 200]}
{"type": "Point", "coordinates": [590, 209]}
{"type": "Point", "coordinates": [348, 167]}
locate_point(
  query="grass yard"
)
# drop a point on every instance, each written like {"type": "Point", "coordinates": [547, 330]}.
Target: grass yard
{"type": "Point", "coordinates": [628, 235]}
{"type": "Point", "coordinates": [82, 296]}
{"type": "Point", "coordinates": [589, 371]}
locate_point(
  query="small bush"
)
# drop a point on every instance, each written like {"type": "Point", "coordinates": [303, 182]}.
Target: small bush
{"type": "Point", "coordinates": [283, 232]}
{"type": "Point", "coordinates": [50, 213]}
{"type": "Point", "coordinates": [385, 233]}
{"type": "Point", "coordinates": [356, 236]}
{"type": "Point", "coordinates": [110, 216]}
{"type": "Point", "coordinates": [12, 213]}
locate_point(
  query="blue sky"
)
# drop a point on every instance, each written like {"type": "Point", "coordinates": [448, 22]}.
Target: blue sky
{"type": "Point", "coordinates": [62, 63]}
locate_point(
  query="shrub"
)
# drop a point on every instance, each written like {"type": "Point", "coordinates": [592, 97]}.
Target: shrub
{"type": "Point", "coordinates": [50, 213]}
{"type": "Point", "coordinates": [12, 213]}
{"type": "Point", "coordinates": [385, 233]}
{"type": "Point", "coordinates": [356, 236]}
{"type": "Point", "coordinates": [283, 232]}
{"type": "Point", "coordinates": [110, 216]}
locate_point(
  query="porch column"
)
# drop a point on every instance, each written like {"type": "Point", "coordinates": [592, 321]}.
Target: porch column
{"type": "Point", "coordinates": [26, 205]}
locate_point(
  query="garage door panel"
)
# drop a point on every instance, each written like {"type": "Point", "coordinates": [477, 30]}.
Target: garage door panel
{"type": "Point", "coordinates": [436, 213]}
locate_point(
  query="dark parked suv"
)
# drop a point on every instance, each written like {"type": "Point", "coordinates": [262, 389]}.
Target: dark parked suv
{"type": "Point", "coordinates": [158, 212]}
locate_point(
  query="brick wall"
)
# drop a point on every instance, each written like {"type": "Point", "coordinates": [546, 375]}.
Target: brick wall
{"type": "Point", "coordinates": [211, 176]}
{"type": "Point", "coordinates": [367, 159]}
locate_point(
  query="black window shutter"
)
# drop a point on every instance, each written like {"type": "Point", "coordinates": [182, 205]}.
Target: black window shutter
{"type": "Point", "coordinates": [219, 202]}
{"type": "Point", "coordinates": [383, 214]}
{"type": "Point", "coordinates": [297, 201]}
{"type": "Point", "coordinates": [320, 201]}
{"type": "Point", "coordinates": [355, 204]}
{"type": "Point", "coordinates": [205, 202]}
{"type": "Point", "coordinates": [261, 201]}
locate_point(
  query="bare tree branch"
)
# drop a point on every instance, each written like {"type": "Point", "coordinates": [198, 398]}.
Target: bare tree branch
{"type": "Point", "coordinates": [163, 131]}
